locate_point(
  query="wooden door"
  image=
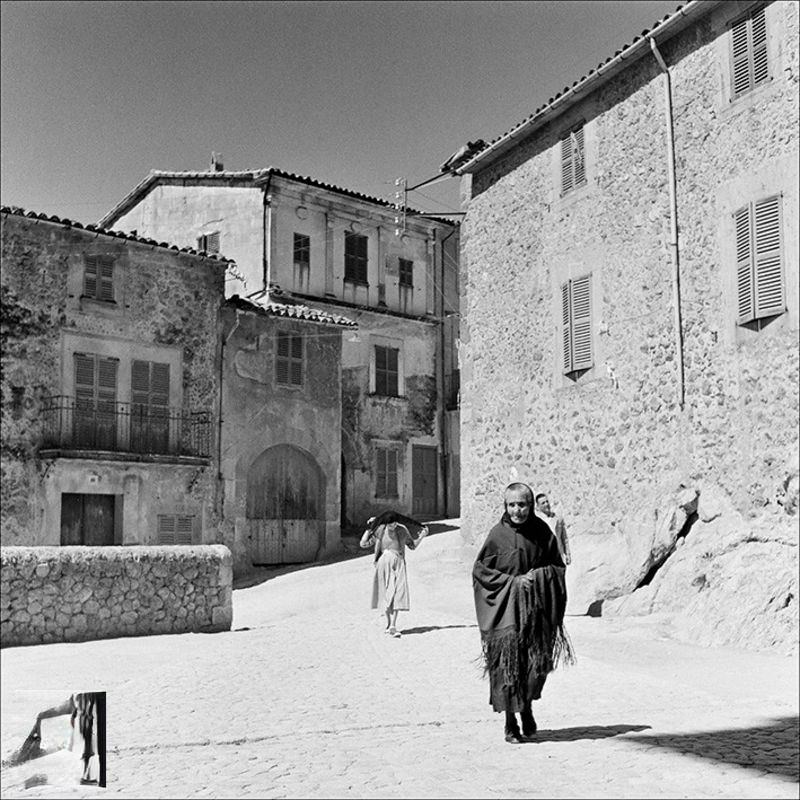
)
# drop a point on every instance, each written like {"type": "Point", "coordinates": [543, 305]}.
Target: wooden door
{"type": "Point", "coordinates": [285, 506]}
{"type": "Point", "coordinates": [424, 480]}
{"type": "Point", "coordinates": [87, 519]}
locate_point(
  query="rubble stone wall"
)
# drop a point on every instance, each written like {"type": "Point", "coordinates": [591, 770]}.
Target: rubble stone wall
{"type": "Point", "coordinates": [613, 445]}
{"type": "Point", "coordinates": [74, 594]}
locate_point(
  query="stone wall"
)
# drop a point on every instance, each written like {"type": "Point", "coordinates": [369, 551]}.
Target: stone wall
{"type": "Point", "coordinates": [74, 594]}
{"type": "Point", "coordinates": [613, 446]}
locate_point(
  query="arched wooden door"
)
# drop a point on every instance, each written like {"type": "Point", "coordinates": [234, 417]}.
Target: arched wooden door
{"type": "Point", "coordinates": [285, 506]}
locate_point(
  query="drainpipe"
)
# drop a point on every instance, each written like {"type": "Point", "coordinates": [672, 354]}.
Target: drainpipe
{"type": "Point", "coordinates": [266, 238]}
{"type": "Point", "coordinates": [443, 411]}
{"type": "Point", "coordinates": [673, 244]}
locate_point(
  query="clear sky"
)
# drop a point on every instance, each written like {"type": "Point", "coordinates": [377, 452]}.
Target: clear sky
{"type": "Point", "coordinates": [96, 94]}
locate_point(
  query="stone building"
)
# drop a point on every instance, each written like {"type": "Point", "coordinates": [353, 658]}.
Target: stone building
{"type": "Point", "coordinates": [281, 430]}
{"type": "Point", "coordinates": [630, 341]}
{"type": "Point", "coordinates": [110, 385]}
{"type": "Point", "coordinates": [337, 251]}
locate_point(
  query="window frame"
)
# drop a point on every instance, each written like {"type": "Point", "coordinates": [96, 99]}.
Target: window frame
{"type": "Point", "coordinates": [294, 362]}
{"type": "Point", "coordinates": [356, 264]}
{"type": "Point", "coordinates": [406, 269]}
{"type": "Point", "coordinates": [384, 454]}
{"type": "Point", "coordinates": [301, 245]}
{"type": "Point", "coordinates": [574, 184]}
{"type": "Point", "coordinates": [94, 266]}
{"type": "Point", "coordinates": [750, 55]}
{"type": "Point", "coordinates": [386, 372]}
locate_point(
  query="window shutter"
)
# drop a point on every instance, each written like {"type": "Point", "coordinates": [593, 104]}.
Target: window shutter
{"type": "Point", "coordinates": [159, 384]}
{"type": "Point", "coordinates": [282, 359]}
{"type": "Point", "coordinates": [581, 324]}
{"type": "Point", "coordinates": [566, 329]}
{"type": "Point", "coordinates": [183, 530]}
{"type": "Point", "coordinates": [578, 170]}
{"type": "Point", "coordinates": [380, 480]}
{"type": "Point", "coordinates": [106, 265]}
{"type": "Point", "coordinates": [380, 370]}
{"type": "Point", "coordinates": [140, 382]}
{"type": "Point", "coordinates": [768, 271]}
{"type": "Point", "coordinates": [392, 371]}
{"type": "Point", "coordinates": [166, 529]}
{"type": "Point", "coordinates": [84, 377]}
{"type": "Point", "coordinates": [212, 243]}
{"type": "Point", "coordinates": [90, 277]}
{"type": "Point", "coordinates": [741, 57]}
{"type": "Point", "coordinates": [759, 45]}
{"type": "Point", "coordinates": [744, 266]}
{"type": "Point", "coordinates": [107, 379]}
{"type": "Point", "coordinates": [391, 473]}
{"type": "Point", "coordinates": [566, 164]}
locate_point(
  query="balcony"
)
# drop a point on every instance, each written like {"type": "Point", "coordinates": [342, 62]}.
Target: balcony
{"type": "Point", "coordinates": [86, 428]}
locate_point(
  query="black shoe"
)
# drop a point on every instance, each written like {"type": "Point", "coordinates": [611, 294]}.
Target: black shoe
{"type": "Point", "coordinates": [513, 735]}
{"type": "Point", "coordinates": [528, 724]}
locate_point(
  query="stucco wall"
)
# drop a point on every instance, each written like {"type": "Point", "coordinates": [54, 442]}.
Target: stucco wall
{"type": "Point", "coordinates": [166, 306]}
{"type": "Point", "coordinates": [258, 414]}
{"type": "Point", "coordinates": [74, 594]}
{"type": "Point", "coordinates": [181, 214]}
{"type": "Point", "coordinates": [614, 439]}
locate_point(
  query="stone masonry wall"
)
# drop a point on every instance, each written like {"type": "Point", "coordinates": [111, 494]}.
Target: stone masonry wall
{"type": "Point", "coordinates": [613, 447]}
{"type": "Point", "coordinates": [74, 594]}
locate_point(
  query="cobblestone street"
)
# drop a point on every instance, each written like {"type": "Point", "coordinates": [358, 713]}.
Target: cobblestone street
{"type": "Point", "coordinates": [307, 697]}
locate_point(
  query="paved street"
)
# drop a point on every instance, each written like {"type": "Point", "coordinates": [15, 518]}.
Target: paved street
{"type": "Point", "coordinates": [307, 697]}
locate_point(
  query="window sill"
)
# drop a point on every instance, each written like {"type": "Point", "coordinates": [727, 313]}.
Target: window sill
{"type": "Point", "coordinates": [105, 307]}
{"type": "Point", "coordinates": [387, 396]}
{"type": "Point", "coordinates": [356, 282]}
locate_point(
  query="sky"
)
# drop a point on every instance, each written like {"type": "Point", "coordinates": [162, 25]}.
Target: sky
{"type": "Point", "coordinates": [93, 95]}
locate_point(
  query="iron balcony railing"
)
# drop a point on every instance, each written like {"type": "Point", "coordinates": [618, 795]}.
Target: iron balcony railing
{"type": "Point", "coordinates": [125, 427]}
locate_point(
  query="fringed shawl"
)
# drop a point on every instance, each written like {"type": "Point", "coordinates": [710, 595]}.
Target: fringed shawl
{"type": "Point", "coordinates": [521, 626]}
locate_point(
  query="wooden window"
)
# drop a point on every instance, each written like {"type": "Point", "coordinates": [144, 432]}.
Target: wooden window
{"type": "Point", "coordinates": [576, 325]}
{"type": "Point", "coordinates": [355, 257]}
{"type": "Point", "coordinates": [150, 406]}
{"type": "Point", "coordinates": [208, 242]}
{"type": "Point", "coordinates": [289, 360]}
{"type": "Point", "coordinates": [175, 528]}
{"type": "Point", "coordinates": [386, 473]}
{"type": "Point", "coordinates": [573, 160]}
{"type": "Point", "coordinates": [760, 284]}
{"type": "Point", "coordinates": [387, 373]}
{"type": "Point", "coordinates": [98, 278]}
{"type": "Point", "coordinates": [406, 272]}
{"type": "Point", "coordinates": [95, 417]}
{"type": "Point", "coordinates": [749, 57]}
{"type": "Point", "coordinates": [302, 249]}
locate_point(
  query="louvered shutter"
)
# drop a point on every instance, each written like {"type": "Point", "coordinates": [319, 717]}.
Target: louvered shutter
{"type": "Point", "coordinates": [140, 383]}
{"type": "Point", "coordinates": [392, 371]}
{"type": "Point", "coordinates": [297, 361]}
{"type": "Point", "coordinates": [566, 329]}
{"type": "Point", "coordinates": [566, 164]}
{"type": "Point", "coordinates": [391, 473]}
{"type": "Point", "coordinates": [759, 47]}
{"type": "Point", "coordinates": [282, 359]}
{"type": "Point", "coordinates": [106, 265]}
{"type": "Point", "coordinates": [90, 277]}
{"type": "Point", "coordinates": [84, 379]}
{"type": "Point", "coordinates": [741, 57]}
{"type": "Point", "coordinates": [159, 384]}
{"type": "Point", "coordinates": [380, 370]}
{"type": "Point", "coordinates": [581, 324]}
{"type": "Point", "coordinates": [768, 269]}
{"type": "Point", "coordinates": [380, 482]}
{"type": "Point", "coordinates": [166, 529]}
{"type": "Point", "coordinates": [744, 265]}
{"type": "Point", "coordinates": [578, 169]}
{"type": "Point", "coordinates": [212, 243]}
{"type": "Point", "coordinates": [183, 530]}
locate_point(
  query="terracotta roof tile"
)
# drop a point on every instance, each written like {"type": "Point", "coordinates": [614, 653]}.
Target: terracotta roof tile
{"type": "Point", "coordinates": [291, 310]}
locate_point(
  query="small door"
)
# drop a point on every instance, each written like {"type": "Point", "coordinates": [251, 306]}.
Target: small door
{"type": "Point", "coordinates": [424, 480]}
{"type": "Point", "coordinates": [87, 519]}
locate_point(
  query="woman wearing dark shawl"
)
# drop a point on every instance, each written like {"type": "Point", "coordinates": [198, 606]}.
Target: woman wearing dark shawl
{"type": "Point", "coordinates": [390, 533]}
{"type": "Point", "coordinates": [520, 599]}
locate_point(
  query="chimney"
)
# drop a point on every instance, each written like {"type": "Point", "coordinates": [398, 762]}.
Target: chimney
{"type": "Point", "coordinates": [216, 162]}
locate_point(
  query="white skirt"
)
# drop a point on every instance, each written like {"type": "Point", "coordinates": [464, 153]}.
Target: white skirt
{"type": "Point", "coordinates": [390, 583]}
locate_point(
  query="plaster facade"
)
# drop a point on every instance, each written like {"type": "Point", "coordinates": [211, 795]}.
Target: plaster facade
{"type": "Point", "coordinates": [612, 439]}
{"type": "Point", "coordinates": [163, 308]}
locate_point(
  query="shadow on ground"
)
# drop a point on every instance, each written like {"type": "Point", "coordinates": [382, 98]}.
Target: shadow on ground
{"type": "Point", "coordinates": [586, 732]}
{"type": "Point", "coordinates": [429, 628]}
{"type": "Point", "coordinates": [773, 748]}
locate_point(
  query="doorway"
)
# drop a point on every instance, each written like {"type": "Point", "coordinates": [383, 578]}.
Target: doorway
{"type": "Point", "coordinates": [87, 519]}
{"type": "Point", "coordinates": [424, 480]}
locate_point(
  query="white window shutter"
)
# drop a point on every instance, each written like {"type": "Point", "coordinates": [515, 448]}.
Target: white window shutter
{"type": "Point", "coordinates": [166, 529]}
{"type": "Point", "coordinates": [740, 34]}
{"type": "Point", "coordinates": [581, 323]}
{"type": "Point", "coordinates": [744, 266]}
{"type": "Point", "coordinates": [768, 269]}
{"type": "Point", "coordinates": [106, 264]}
{"type": "Point", "coordinates": [578, 160]}
{"type": "Point", "coordinates": [90, 277]}
{"type": "Point", "coordinates": [567, 181]}
{"type": "Point", "coordinates": [566, 329]}
{"type": "Point", "coordinates": [759, 47]}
